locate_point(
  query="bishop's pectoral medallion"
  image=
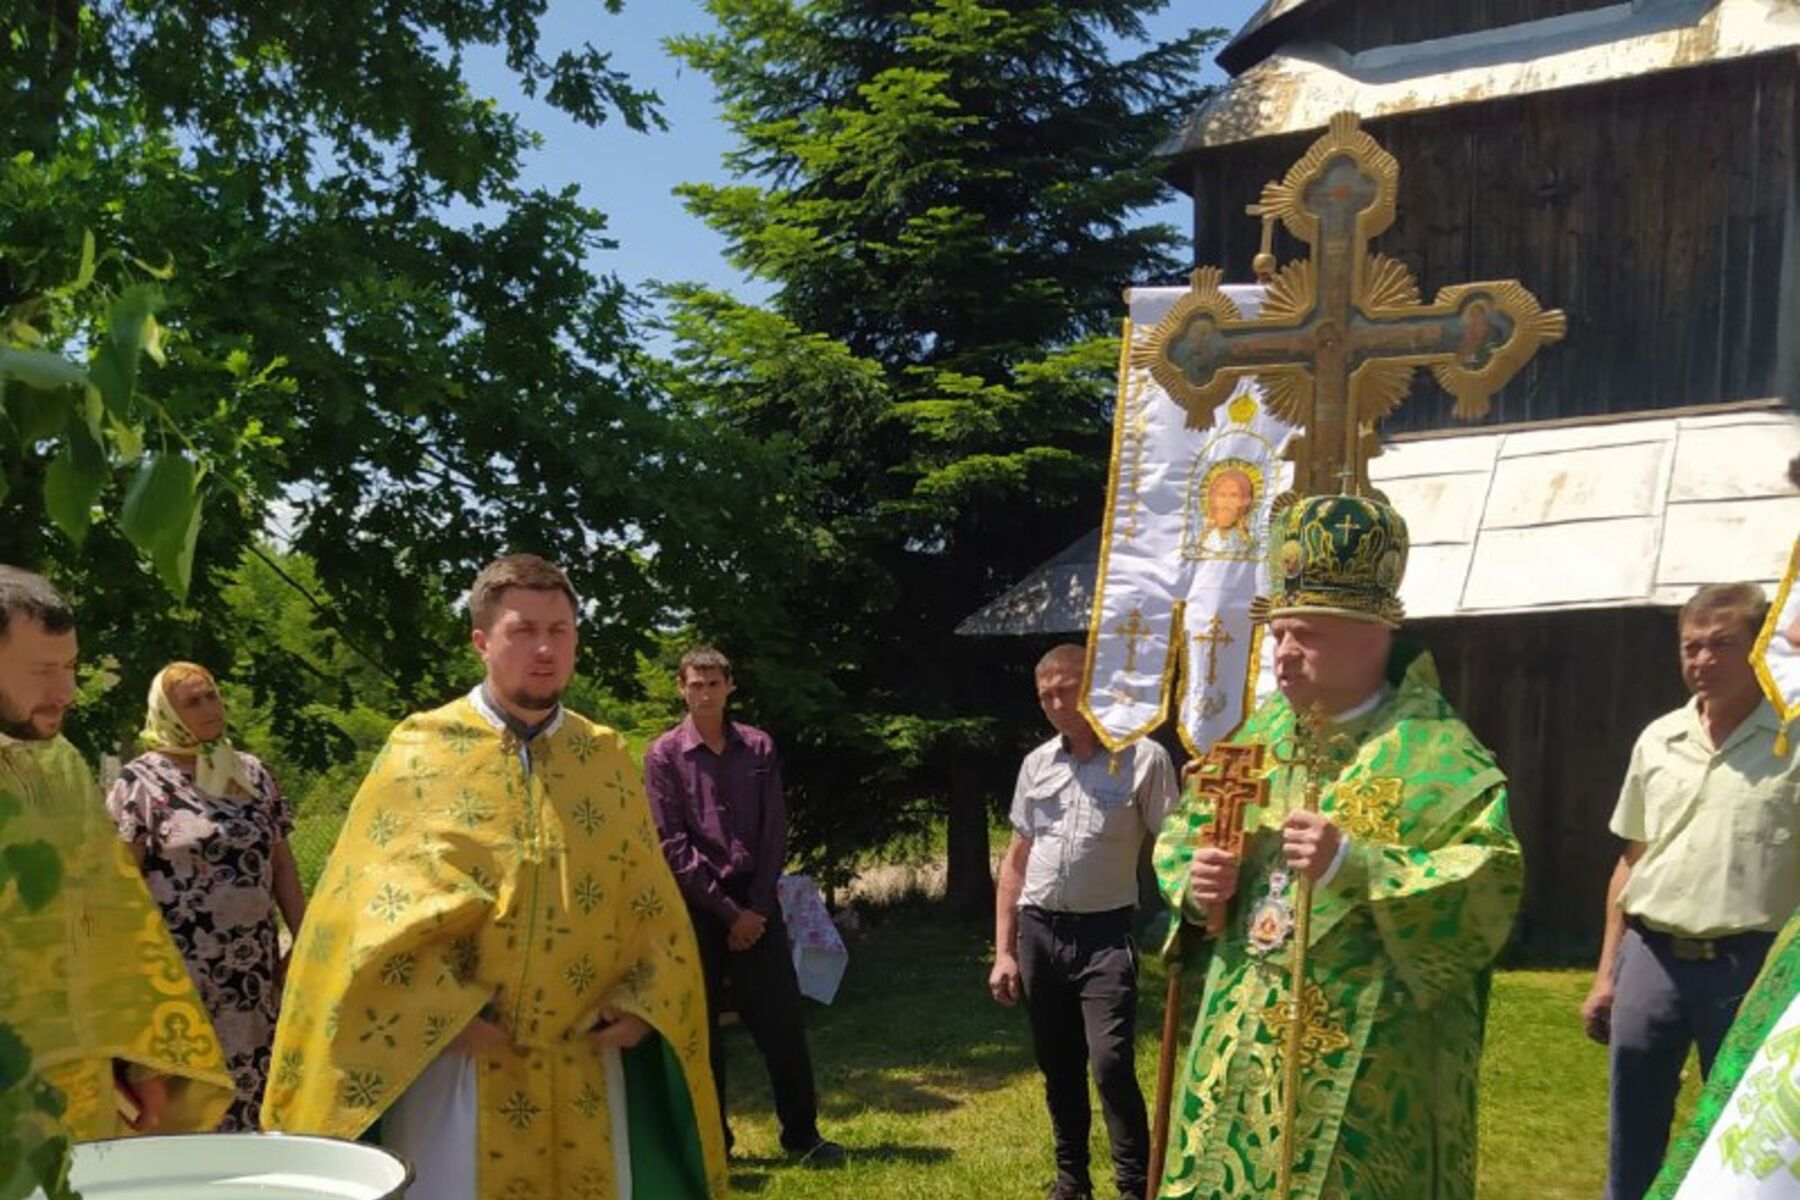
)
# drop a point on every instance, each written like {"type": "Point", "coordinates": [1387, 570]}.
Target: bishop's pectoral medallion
{"type": "Point", "coordinates": [1270, 921]}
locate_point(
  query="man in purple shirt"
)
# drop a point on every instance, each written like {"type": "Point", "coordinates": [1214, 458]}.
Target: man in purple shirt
{"type": "Point", "coordinates": [715, 790]}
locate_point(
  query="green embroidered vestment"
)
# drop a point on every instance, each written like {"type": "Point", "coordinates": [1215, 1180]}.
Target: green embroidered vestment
{"type": "Point", "coordinates": [1403, 940]}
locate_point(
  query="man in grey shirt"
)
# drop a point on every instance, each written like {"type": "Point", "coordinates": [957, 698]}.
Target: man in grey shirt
{"type": "Point", "coordinates": [1062, 923]}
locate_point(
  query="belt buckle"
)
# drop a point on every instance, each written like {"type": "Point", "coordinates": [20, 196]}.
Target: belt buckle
{"type": "Point", "coordinates": [1692, 949]}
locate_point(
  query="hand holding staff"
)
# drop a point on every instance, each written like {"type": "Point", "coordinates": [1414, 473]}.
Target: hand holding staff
{"type": "Point", "coordinates": [1227, 780]}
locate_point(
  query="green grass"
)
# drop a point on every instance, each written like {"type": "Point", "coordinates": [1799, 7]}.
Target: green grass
{"type": "Point", "coordinates": [931, 1085]}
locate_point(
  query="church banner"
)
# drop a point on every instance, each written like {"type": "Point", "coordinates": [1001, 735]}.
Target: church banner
{"type": "Point", "coordinates": [1777, 654]}
{"type": "Point", "coordinates": [1181, 553]}
{"type": "Point", "coordinates": [1753, 1149]}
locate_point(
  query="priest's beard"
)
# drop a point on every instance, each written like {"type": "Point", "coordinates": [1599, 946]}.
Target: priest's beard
{"type": "Point", "coordinates": [532, 701]}
{"type": "Point", "coordinates": [18, 725]}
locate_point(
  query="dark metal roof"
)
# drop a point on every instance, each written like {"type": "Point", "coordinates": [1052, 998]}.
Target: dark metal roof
{"type": "Point", "coordinates": [1260, 34]}
{"type": "Point", "coordinates": [1058, 597]}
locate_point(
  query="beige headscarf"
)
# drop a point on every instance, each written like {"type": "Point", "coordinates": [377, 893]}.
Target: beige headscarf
{"type": "Point", "coordinates": [216, 765]}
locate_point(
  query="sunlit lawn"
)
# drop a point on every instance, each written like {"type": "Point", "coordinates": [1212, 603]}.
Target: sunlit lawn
{"type": "Point", "coordinates": [931, 1084]}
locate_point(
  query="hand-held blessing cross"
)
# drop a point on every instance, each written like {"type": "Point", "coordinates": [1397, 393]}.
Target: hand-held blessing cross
{"type": "Point", "coordinates": [1228, 780]}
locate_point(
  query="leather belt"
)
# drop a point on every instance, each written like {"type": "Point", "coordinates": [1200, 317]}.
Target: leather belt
{"type": "Point", "coordinates": [1689, 949]}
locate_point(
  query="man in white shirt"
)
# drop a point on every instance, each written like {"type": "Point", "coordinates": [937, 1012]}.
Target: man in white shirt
{"type": "Point", "coordinates": [1062, 923]}
{"type": "Point", "coordinates": [1709, 874]}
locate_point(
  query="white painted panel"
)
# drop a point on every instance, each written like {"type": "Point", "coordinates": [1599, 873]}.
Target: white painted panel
{"type": "Point", "coordinates": [1583, 437]}
{"type": "Point", "coordinates": [1436, 456]}
{"type": "Point", "coordinates": [1434, 581]}
{"type": "Point", "coordinates": [1439, 508]}
{"type": "Point", "coordinates": [1587, 562]}
{"type": "Point", "coordinates": [1578, 485]}
{"type": "Point", "coordinates": [1771, 416]}
{"type": "Point", "coordinates": [1728, 540]}
{"type": "Point", "coordinates": [1727, 462]}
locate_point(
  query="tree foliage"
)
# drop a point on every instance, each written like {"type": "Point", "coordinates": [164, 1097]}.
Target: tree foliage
{"type": "Point", "coordinates": [316, 712]}
{"type": "Point", "coordinates": [943, 196]}
{"type": "Point", "coordinates": [360, 329]}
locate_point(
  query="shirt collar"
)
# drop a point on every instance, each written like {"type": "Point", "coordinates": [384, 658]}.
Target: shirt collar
{"type": "Point", "coordinates": [1374, 701]}
{"type": "Point", "coordinates": [688, 739]}
{"type": "Point", "coordinates": [1762, 718]}
{"type": "Point", "coordinates": [499, 718]}
{"type": "Point", "coordinates": [1067, 753]}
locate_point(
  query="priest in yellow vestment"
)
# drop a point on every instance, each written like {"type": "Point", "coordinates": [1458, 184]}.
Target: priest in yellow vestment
{"type": "Point", "coordinates": [496, 971]}
{"type": "Point", "coordinates": [91, 980]}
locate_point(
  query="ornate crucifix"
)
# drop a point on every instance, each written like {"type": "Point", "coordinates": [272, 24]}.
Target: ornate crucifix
{"type": "Point", "coordinates": [1214, 639]}
{"type": "Point", "coordinates": [1132, 630]}
{"type": "Point", "coordinates": [1229, 779]}
{"type": "Point", "coordinates": [1341, 333]}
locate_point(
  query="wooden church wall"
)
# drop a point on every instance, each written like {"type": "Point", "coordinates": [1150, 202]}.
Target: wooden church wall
{"type": "Point", "coordinates": [1659, 213]}
{"type": "Point", "coordinates": [1560, 698]}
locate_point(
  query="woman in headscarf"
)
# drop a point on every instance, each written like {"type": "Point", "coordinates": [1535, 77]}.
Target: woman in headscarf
{"type": "Point", "coordinates": [209, 828]}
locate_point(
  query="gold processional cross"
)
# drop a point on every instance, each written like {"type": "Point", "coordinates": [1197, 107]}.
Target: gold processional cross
{"type": "Point", "coordinates": [1341, 332]}
{"type": "Point", "coordinates": [1304, 1021]}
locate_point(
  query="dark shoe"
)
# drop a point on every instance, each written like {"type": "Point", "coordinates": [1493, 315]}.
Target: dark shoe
{"type": "Point", "coordinates": [822, 1153]}
{"type": "Point", "coordinates": [1061, 1190]}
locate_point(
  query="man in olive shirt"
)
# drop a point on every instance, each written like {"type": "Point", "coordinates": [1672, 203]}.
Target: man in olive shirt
{"type": "Point", "coordinates": [1062, 923]}
{"type": "Point", "coordinates": [1711, 871]}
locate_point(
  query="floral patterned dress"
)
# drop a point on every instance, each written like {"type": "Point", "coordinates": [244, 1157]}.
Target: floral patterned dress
{"type": "Point", "coordinates": [209, 862]}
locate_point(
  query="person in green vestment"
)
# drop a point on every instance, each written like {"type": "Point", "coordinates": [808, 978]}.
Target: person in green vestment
{"type": "Point", "coordinates": [1416, 877]}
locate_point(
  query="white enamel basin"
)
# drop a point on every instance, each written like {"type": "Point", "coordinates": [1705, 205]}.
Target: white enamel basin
{"type": "Point", "coordinates": [240, 1166]}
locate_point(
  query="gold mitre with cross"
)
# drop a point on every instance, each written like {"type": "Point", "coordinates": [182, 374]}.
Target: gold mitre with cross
{"type": "Point", "coordinates": [1334, 348]}
{"type": "Point", "coordinates": [1341, 332]}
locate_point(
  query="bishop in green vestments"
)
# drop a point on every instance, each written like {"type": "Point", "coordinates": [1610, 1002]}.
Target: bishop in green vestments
{"type": "Point", "coordinates": [1416, 880]}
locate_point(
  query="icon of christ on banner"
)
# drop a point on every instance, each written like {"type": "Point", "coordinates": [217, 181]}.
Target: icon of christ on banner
{"type": "Point", "coordinates": [1221, 511]}
{"type": "Point", "coordinates": [1182, 554]}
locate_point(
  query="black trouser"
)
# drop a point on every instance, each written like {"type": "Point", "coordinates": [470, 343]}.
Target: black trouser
{"type": "Point", "coordinates": [1667, 999]}
{"type": "Point", "coordinates": [1080, 976]}
{"type": "Point", "coordinates": [766, 996]}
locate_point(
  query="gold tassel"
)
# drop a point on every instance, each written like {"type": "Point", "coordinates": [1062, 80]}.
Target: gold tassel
{"type": "Point", "coordinates": [1781, 742]}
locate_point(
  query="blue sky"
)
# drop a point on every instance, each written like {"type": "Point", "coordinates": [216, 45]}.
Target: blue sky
{"type": "Point", "coordinates": [629, 176]}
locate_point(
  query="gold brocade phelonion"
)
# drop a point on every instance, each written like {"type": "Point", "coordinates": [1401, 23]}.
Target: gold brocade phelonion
{"type": "Point", "coordinates": [465, 882]}
{"type": "Point", "coordinates": [104, 982]}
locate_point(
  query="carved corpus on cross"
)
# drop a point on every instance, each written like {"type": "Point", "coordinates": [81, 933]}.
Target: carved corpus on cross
{"type": "Point", "coordinates": [1229, 779]}
{"type": "Point", "coordinates": [1341, 333]}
